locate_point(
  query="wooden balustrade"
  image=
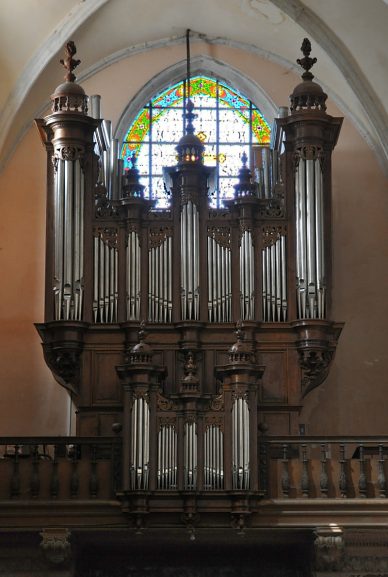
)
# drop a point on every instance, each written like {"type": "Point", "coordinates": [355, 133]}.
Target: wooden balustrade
{"type": "Point", "coordinates": [70, 468]}
{"type": "Point", "coordinates": [59, 468]}
{"type": "Point", "coordinates": [324, 467]}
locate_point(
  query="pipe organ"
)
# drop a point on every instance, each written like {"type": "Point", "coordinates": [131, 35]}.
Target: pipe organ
{"type": "Point", "coordinates": [191, 401]}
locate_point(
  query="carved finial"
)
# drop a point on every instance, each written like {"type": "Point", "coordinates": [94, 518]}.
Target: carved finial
{"type": "Point", "coordinates": [306, 62]}
{"type": "Point", "coordinates": [142, 332]}
{"type": "Point", "coordinates": [69, 62]}
{"type": "Point", "coordinates": [239, 332]}
{"type": "Point", "coordinates": [244, 159]}
{"type": "Point", "coordinates": [190, 381]}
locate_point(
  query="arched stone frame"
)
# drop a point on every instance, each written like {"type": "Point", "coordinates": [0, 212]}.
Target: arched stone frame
{"type": "Point", "coordinates": [199, 65]}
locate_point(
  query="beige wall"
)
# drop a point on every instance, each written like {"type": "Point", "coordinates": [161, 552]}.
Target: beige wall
{"type": "Point", "coordinates": [353, 398]}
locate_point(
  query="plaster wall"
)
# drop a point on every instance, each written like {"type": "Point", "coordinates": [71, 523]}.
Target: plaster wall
{"type": "Point", "coordinates": [351, 401]}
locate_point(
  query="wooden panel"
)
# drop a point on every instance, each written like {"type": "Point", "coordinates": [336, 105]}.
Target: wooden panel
{"type": "Point", "coordinates": [274, 382]}
{"type": "Point", "coordinates": [278, 423]}
{"type": "Point", "coordinates": [106, 382]}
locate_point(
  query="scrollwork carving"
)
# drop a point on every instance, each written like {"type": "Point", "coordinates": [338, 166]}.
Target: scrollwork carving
{"type": "Point", "coordinates": [270, 234]}
{"type": "Point", "coordinates": [221, 234]}
{"type": "Point", "coordinates": [108, 235]}
{"type": "Point", "coordinates": [157, 236]}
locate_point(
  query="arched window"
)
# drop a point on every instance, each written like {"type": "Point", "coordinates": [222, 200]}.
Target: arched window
{"type": "Point", "coordinates": [227, 123]}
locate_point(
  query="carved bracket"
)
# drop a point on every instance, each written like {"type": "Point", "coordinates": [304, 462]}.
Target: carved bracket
{"type": "Point", "coordinates": [62, 348]}
{"type": "Point", "coordinates": [315, 365]}
{"type": "Point", "coordinates": [329, 549]}
{"type": "Point", "coordinates": [55, 545]}
{"type": "Point", "coordinates": [316, 347]}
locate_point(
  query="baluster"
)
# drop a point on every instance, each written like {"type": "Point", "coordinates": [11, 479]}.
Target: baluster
{"type": "Point", "coordinates": [343, 480]}
{"type": "Point", "coordinates": [35, 481]}
{"type": "Point", "coordinates": [285, 473]}
{"type": "Point", "coordinates": [15, 479]}
{"type": "Point", "coordinates": [54, 482]}
{"type": "Point", "coordinates": [381, 476]}
{"type": "Point", "coordinates": [304, 481]}
{"type": "Point", "coordinates": [93, 481]}
{"type": "Point", "coordinates": [74, 479]}
{"type": "Point", "coordinates": [324, 480]}
{"type": "Point", "coordinates": [362, 479]}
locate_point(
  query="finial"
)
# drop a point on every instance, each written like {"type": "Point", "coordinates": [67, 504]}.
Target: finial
{"type": "Point", "coordinates": [69, 62]}
{"type": "Point", "coordinates": [306, 62]}
{"type": "Point", "coordinates": [133, 159]}
{"type": "Point", "coordinates": [239, 332]}
{"type": "Point", "coordinates": [190, 117]}
{"type": "Point", "coordinates": [244, 159]}
{"type": "Point", "coordinates": [142, 331]}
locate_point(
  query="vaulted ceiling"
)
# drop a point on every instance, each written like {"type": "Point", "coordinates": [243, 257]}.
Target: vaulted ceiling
{"type": "Point", "coordinates": [348, 37]}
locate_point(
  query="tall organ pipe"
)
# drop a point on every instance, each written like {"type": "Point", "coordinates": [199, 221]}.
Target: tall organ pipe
{"type": "Point", "coordinates": [247, 287]}
{"type": "Point", "coordinates": [133, 276]}
{"type": "Point", "coordinates": [189, 261]}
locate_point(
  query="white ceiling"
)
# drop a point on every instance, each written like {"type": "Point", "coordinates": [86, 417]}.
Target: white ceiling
{"type": "Point", "coordinates": [348, 37]}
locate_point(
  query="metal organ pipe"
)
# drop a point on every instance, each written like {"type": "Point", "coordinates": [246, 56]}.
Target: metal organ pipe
{"type": "Point", "coordinates": [133, 276]}
{"type": "Point", "coordinates": [240, 444]}
{"type": "Point", "coordinates": [213, 458]}
{"type": "Point", "coordinates": [167, 457]}
{"type": "Point", "coordinates": [247, 286]}
{"type": "Point", "coordinates": [160, 281]}
{"type": "Point", "coordinates": [68, 240]}
{"type": "Point", "coordinates": [140, 447]}
{"type": "Point", "coordinates": [105, 290]}
{"type": "Point", "coordinates": [190, 455]}
{"type": "Point", "coordinates": [310, 239]}
{"type": "Point", "coordinates": [219, 281]}
{"type": "Point", "coordinates": [190, 261]}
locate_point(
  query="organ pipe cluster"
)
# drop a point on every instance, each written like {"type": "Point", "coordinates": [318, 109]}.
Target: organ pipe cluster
{"type": "Point", "coordinates": [140, 443]}
{"type": "Point", "coordinates": [214, 458]}
{"type": "Point", "coordinates": [219, 281]}
{"type": "Point", "coordinates": [310, 257]}
{"type": "Point", "coordinates": [68, 286]}
{"type": "Point", "coordinates": [105, 292]}
{"type": "Point", "coordinates": [167, 457]}
{"type": "Point", "coordinates": [274, 280]}
{"type": "Point", "coordinates": [240, 444]}
{"type": "Point", "coordinates": [160, 281]}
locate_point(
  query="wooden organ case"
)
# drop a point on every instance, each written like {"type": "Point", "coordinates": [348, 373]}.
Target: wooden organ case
{"type": "Point", "coordinates": [189, 331]}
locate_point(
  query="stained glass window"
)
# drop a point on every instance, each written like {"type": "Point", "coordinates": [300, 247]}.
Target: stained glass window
{"type": "Point", "coordinates": [227, 123]}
